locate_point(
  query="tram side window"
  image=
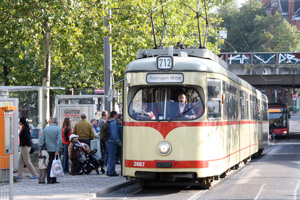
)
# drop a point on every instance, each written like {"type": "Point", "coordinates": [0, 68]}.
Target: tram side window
{"type": "Point", "coordinates": [265, 111]}
{"type": "Point", "coordinates": [213, 98]}
{"type": "Point", "coordinates": [225, 101]}
{"type": "Point", "coordinates": [258, 109]}
{"type": "Point", "coordinates": [231, 102]}
{"type": "Point", "coordinates": [246, 105]}
{"type": "Point", "coordinates": [253, 107]}
{"type": "Point", "coordinates": [242, 104]}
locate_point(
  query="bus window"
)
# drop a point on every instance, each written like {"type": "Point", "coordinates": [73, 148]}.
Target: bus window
{"type": "Point", "coordinates": [166, 103]}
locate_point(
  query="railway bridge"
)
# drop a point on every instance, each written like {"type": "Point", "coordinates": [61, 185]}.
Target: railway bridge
{"type": "Point", "coordinates": [264, 70]}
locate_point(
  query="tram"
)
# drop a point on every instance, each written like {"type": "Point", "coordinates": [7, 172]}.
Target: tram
{"type": "Point", "coordinates": [187, 118]}
{"type": "Point", "coordinates": [279, 115]}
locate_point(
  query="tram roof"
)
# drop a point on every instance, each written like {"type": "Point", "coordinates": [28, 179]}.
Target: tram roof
{"type": "Point", "coordinates": [186, 64]}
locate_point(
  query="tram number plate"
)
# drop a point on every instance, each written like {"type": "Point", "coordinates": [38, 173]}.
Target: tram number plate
{"type": "Point", "coordinates": [164, 164]}
{"type": "Point", "coordinates": [139, 164]}
{"type": "Point", "coordinates": [164, 62]}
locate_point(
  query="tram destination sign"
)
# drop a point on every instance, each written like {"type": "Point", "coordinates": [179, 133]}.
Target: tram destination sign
{"type": "Point", "coordinates": [165, 78]}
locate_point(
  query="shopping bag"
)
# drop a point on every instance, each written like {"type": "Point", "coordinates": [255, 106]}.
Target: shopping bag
{"type": "Point", "coordinates": [31, 150]}
{"type": "Point", "coordinates": [56, 168]}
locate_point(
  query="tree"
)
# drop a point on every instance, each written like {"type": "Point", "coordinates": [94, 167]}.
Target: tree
{"type": "Point", "coordinates": [131, 27]}
{"type": "Point", "coordinates": [250, 29]}
{"type": "Point", "coordinates": [239, 25]}
{"type": "Point", "coordinates": [31, 29]}
{"type": "Point", "coordinates": [60, 42]}
{"type": "Point", "coordinates": [274, 34]}
{"type": "Point", "coordinates": [19, 57]}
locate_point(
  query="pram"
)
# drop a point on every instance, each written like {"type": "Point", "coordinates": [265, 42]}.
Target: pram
{"type": "Point", "coordinates": [89, 160]}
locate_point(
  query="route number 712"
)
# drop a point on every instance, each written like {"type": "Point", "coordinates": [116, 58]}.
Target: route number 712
{"type": "Point", "coordinates": [164, 62]}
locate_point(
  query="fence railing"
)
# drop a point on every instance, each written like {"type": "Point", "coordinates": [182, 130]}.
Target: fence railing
{"type": "Point", "coordinates": [6, 177]}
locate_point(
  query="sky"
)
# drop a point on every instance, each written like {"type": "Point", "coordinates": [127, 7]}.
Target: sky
{"type": "Point", "coordinates": [240, 2]}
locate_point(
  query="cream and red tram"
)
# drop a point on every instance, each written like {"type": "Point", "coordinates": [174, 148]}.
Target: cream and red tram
{"type": "Point", "coordinates": [223, 124]}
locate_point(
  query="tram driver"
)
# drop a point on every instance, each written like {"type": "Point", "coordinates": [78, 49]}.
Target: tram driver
{"type": "Point", "coordinates": [182, 109]}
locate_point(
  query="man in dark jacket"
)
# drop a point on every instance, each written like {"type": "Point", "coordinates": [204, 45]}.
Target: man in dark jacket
{"type": "Point", "coordinates": [102, 121]}
{"type": "Point", "coordinates": [111, 144]}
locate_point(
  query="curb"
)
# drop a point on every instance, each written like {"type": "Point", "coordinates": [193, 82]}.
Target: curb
{"type": "Point", "coordinates": [114, 187]}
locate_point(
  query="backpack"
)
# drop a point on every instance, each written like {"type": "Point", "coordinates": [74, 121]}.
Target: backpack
{"type": "Point", "coordinates": [104, 133]}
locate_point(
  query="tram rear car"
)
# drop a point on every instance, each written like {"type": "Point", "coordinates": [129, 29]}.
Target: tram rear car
{"type": "Point", "coordinates": [220, 126]}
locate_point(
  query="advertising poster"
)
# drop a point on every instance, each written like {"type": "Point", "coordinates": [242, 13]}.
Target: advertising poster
{"type": "Point", "coordinates": [74, 112]}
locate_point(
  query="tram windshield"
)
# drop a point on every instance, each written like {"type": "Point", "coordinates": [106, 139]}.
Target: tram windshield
{"type": "Point", "coordinates": [166, 103]}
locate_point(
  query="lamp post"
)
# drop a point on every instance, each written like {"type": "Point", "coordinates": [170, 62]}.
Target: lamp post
{"type": "Point", "coordinates": [107, 64]}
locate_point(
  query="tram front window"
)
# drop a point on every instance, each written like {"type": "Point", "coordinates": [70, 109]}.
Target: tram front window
{"type": "Point", "coordinates": [168, 103]}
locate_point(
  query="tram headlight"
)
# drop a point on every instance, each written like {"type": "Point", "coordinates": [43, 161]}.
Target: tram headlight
{"type": "Point", "coordinates": [164, 148]}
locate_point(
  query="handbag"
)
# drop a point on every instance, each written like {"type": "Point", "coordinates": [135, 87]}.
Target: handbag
{"type": "Point", "coordinates": [31, 150]}
{"type": "Point", "coordinates": [56, 168]}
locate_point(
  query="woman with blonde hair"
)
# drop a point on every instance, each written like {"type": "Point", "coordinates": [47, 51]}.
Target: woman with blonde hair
{"type": "Point", "coordinates": [66, 132]}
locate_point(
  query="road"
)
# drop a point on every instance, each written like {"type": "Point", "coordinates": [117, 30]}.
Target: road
{"type": "Point", "coordinates": [274, 175]}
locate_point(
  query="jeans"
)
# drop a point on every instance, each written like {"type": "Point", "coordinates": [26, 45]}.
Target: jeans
{"type": "Point", "coordinates": [103, 151]}
{"type": "Point", "coordinates": [65, 161]}
{"type": "Point", "coordinates": [111, 149]}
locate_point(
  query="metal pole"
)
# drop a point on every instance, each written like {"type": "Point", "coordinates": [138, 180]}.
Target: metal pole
{"type": "Point", "coordinates": [40, 110]}
{"type": "Point", "coordinates": [107, 65]}
{"type": "Point", "coordinates": [11, 176]}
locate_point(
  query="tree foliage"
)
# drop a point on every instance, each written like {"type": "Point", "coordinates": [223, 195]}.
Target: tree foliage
{"type": "Point", "coordinates": [273, 33]}
{"type": "Point", "coordinates": [250, 29]}
{"type": "Point", "coordinates": [77, 31]}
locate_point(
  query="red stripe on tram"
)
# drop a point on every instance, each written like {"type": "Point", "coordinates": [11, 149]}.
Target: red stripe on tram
{"type": "Point", "coordinates": [177, 164]}
{"type": "Point", "coordinates": [165, 127]}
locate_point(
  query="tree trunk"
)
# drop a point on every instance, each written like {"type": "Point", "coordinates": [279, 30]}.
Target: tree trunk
{"type": "Point", "coordinates": [46, 74]}
{"type": "Point", "coordinates": [5, 73]}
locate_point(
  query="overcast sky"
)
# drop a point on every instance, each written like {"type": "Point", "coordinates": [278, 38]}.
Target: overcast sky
{"type": "Point", "coordinates": [240, 2]}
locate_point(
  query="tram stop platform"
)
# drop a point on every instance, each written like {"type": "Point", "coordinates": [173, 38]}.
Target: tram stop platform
{"type": "Point", "coordinates": [79, 187]}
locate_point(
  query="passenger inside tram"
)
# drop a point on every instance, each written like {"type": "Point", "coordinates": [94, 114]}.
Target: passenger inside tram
{"type": "Point", "coordinates": [146, 113]}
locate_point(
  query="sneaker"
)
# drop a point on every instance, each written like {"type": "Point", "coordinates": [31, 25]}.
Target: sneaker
{"type": "Point", "coordinates": [18, 177]}
{"type": "Point", "coordinates": [33, 177]}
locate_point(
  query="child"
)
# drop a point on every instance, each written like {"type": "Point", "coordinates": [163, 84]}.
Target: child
{"type": "Point", "coordinates": [43, 164]}
{"type": "Point", "coordinates": [74, 154]}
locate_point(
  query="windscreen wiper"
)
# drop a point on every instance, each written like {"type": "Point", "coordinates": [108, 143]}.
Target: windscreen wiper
{"type": "Point", "coordinates": [185, 112]}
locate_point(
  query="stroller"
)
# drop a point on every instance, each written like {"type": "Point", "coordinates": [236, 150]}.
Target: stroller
{"type": "Point", "coordinates": [89, 160]}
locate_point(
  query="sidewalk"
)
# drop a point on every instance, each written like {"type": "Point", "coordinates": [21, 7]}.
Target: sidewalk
{"type": "Point", "coordinates": [80, 187]}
